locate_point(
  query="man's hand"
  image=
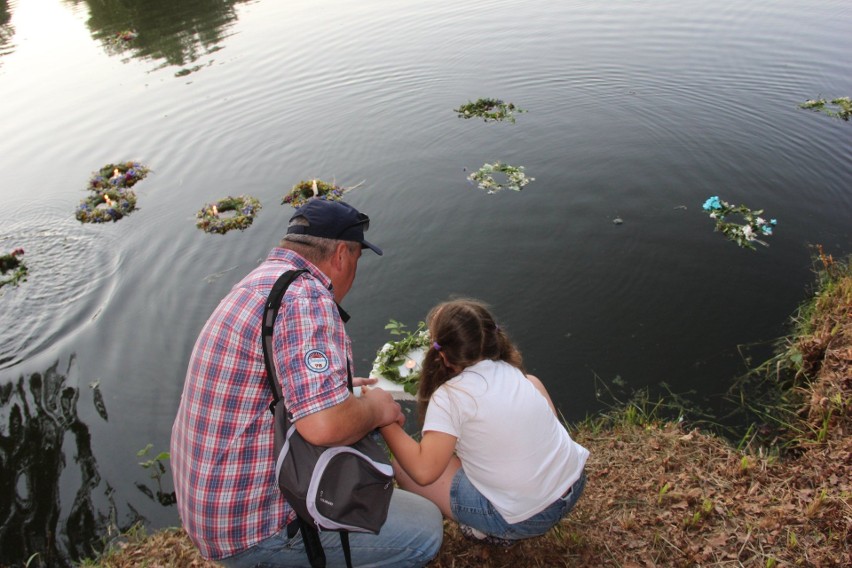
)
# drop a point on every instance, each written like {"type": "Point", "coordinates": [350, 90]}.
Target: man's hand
{"type": "Point", "coordinates": [389, 410]}
{"type": "Point", "coordinates": [352, 419]}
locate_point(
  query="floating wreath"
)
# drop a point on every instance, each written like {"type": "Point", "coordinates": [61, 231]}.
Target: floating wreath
{"type": "Point", "coordinates": [488, 109]}
{"type": "Point", "coordinates": [12, 265]}
{"type": "Point", "coordinates": [515, 177]}
{"type": "Point", "coordinates": [843, 104]}
{"type": "Point", "coordinates": [118, 176]}
{"type": "Point", "coordinates": [746, 234]}
{"type": "Point", "coordinates": [304, 190]}
{"type": "Point", "coordinates": [400, 361]}
{"type": "Point", "coordinates": [106, 205]}
{"type": "Point", "coordinates": [210, 217]}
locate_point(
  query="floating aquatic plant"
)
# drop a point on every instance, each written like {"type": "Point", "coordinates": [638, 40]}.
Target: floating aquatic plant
{"type": "Point", "coordinates": [842, 110]}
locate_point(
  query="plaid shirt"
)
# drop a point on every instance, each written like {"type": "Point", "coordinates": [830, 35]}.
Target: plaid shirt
{"type": "Point", "coordinates": [222, 439]}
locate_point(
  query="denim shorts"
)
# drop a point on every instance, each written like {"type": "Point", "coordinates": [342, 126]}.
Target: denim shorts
{"type": "Point", "coordinates": [471, 508]}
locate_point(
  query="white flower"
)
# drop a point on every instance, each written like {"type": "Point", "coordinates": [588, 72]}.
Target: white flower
{"type": "Point", "coordinates": [747, 233]}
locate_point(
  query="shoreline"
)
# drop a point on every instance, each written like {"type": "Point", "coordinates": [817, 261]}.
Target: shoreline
{"type": "Point", "coordinates": [661, 493]}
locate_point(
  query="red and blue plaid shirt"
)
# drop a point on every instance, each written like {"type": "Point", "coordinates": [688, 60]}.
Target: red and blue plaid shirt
{"type": "Point", "coordinates": [222, 439]}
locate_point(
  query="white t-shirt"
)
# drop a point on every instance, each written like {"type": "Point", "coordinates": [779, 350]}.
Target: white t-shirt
{"type": "Point", "coordinates": [512, 447]}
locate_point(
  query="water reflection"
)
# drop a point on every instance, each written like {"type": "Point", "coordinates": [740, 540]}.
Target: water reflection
{"type": "Point", "coordinates": [40, 434]}
{"type": "Point", "coordinates": [173, 33]}
{"type": "Point", "coordinates": [6, 29]}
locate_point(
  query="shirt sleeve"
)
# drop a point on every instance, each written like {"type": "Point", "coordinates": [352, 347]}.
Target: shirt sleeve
{"type": "Point", "coordinates": [311, 355]}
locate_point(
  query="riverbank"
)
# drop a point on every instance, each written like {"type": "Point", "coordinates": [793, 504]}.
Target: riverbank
{"type": "Point", "coordinates": [661, 493]}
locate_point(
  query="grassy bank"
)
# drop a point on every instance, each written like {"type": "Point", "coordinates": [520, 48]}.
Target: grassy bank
{"type": "Point", "coordinates": [665, 494]}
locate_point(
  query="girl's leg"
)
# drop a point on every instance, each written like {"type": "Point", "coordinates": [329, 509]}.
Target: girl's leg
{"type": "Point", "coordinates": [438, 491]}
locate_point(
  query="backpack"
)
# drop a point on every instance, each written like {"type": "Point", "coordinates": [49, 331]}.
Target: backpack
{"type": "Point", "coordinates": [341, 488]}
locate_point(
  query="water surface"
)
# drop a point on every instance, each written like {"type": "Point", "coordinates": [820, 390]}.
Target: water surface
{"type": "Point", "coordinates": [637, 110]}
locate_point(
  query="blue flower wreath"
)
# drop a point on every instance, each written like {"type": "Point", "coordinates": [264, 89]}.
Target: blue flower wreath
{"type": "Point", "coordinates": [745, 234]}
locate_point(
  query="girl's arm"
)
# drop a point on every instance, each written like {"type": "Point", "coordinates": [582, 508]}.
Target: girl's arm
{"type": "Point", "coordinates": [423, 462]}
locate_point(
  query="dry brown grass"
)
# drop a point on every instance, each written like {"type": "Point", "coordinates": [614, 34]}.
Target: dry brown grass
{"type": "Point", "coordinates": [658, 495]}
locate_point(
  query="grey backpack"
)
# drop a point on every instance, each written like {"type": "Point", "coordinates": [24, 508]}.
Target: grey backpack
{"type": "Point", "coordinates": [340, 488]}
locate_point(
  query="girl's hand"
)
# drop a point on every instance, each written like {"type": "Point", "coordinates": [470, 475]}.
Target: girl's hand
{"type": "Point", "coordinates": [363, 381]}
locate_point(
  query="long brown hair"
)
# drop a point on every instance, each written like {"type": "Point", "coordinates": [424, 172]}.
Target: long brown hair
{"type": "Point", "coordinates": [465, 332]}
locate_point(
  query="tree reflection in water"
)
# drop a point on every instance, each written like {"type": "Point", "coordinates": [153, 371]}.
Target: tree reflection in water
{"type": "Point", "coordinates": [173, 33]}
{"type": "Point", "coordinates": [38, 423]}
{"type": "Point", "coordinates": [6, 30]}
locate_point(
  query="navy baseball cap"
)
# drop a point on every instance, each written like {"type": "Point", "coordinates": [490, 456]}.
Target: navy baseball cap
{"type": "Point", "coordinates": [332, 220]}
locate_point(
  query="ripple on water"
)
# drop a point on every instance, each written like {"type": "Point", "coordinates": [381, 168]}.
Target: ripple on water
{"type": "Point", "coordinates": [72, 270]}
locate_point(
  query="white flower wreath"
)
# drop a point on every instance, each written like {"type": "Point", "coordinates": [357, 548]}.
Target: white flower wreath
{"type": "Point", "coordinates": [516, 179]}
{"type": "Point", "coordinates": [400, 361]}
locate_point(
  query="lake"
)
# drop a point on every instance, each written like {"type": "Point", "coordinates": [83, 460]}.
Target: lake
{"type": "Point", "coordinates": [636, 112]}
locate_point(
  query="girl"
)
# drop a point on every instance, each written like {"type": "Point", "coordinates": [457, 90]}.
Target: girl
{"type": "Point", "coordinates": [493, 455]}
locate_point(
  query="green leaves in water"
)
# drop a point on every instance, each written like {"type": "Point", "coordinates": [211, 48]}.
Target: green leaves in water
{"type": "Point", "coordinates": [488, 110]}
{"type": "Point", "coordinates": [842, 107]}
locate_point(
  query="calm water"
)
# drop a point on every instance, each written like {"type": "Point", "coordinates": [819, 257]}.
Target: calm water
{"type": "Point", "coordinates": [637, 110]}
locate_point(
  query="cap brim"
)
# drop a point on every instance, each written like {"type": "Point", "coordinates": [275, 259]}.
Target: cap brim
{"type": "Point", "coordinates": [372, 247]}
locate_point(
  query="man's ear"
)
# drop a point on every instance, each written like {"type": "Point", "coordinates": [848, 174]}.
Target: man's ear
{"type": "Point", "coordinates": [339, 256]}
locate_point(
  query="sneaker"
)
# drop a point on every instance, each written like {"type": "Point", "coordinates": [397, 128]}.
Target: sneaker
{"type": "Point", "coordinates": [475, 535]}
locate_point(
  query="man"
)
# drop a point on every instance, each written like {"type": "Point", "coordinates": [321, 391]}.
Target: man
{"type": "Point", "coordinates": [222, 439]}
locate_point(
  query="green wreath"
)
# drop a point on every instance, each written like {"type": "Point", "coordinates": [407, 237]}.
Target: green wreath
{"type": "Point", "coordinates": [488, 109]}
{"type": "Point", "coordinates": [843, 104]}
{"type": "Point", "coordinates": [10, 263]}
{"type": "Point", "coordinates": [104, 206]}
{"type": "Point", "coordinates": [122, 175]}
{"type": "Point", "coordinates": [516, 179]}
{"type": "Point", "coordinates": [397, 355]}
{"type": "Point", "coordinates": [304, 190]}
{"type": "Point", "coordinates": [744, 234]}
{"type": "Point", "coordinates": [211, 221]}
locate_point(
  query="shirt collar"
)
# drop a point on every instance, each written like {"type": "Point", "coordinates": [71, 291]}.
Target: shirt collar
{"type": "Point", "coordinates": [298, 261]}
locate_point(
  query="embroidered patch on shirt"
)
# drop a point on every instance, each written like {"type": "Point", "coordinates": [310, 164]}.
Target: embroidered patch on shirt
{"type": "Point", "coordinates": [316, 360]}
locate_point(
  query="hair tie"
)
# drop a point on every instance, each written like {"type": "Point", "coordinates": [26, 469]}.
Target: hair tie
{"type": "Point", "coordinates": [436, 346]}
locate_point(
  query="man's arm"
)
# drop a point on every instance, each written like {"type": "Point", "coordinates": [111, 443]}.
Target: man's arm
{"type": "Point", "coordinates": [351, 420]}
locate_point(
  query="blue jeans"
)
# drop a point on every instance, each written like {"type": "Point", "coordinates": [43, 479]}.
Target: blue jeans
{"type": "Point", "coordinates": [410, 537]}
{"type": "Point", "coordinates": [471, 508]}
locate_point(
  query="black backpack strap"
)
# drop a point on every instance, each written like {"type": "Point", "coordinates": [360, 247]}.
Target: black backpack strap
{"type": "Point", "coordinates": [344, 543]}
{"type": "Point", "coordinates": [310, 534]}
{"type": "Point", "coordinates": [270, 312]}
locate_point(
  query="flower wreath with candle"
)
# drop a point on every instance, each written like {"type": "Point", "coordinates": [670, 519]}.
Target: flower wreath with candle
{"type": "Point", "coordinates": [488, 109]}
{"type": "Point", "coordinates": [516, 179]}
{"type": "Point", "coordinates": [745, 234]}
{"type": "Point", "coordinates": [210, 217]}
{"type": "Point", "coordinates": [11, 263]}
{"type": "Point", "coordinates": [400, 361]}
{"type": "Point", "coordinates": [122, 175]}
{"type": "Point", "coordinates": [304, 190]}
{"type": "Point", "coordinates": [105, 206]}
{"type": "Point", "coordinates": [111, 197]}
